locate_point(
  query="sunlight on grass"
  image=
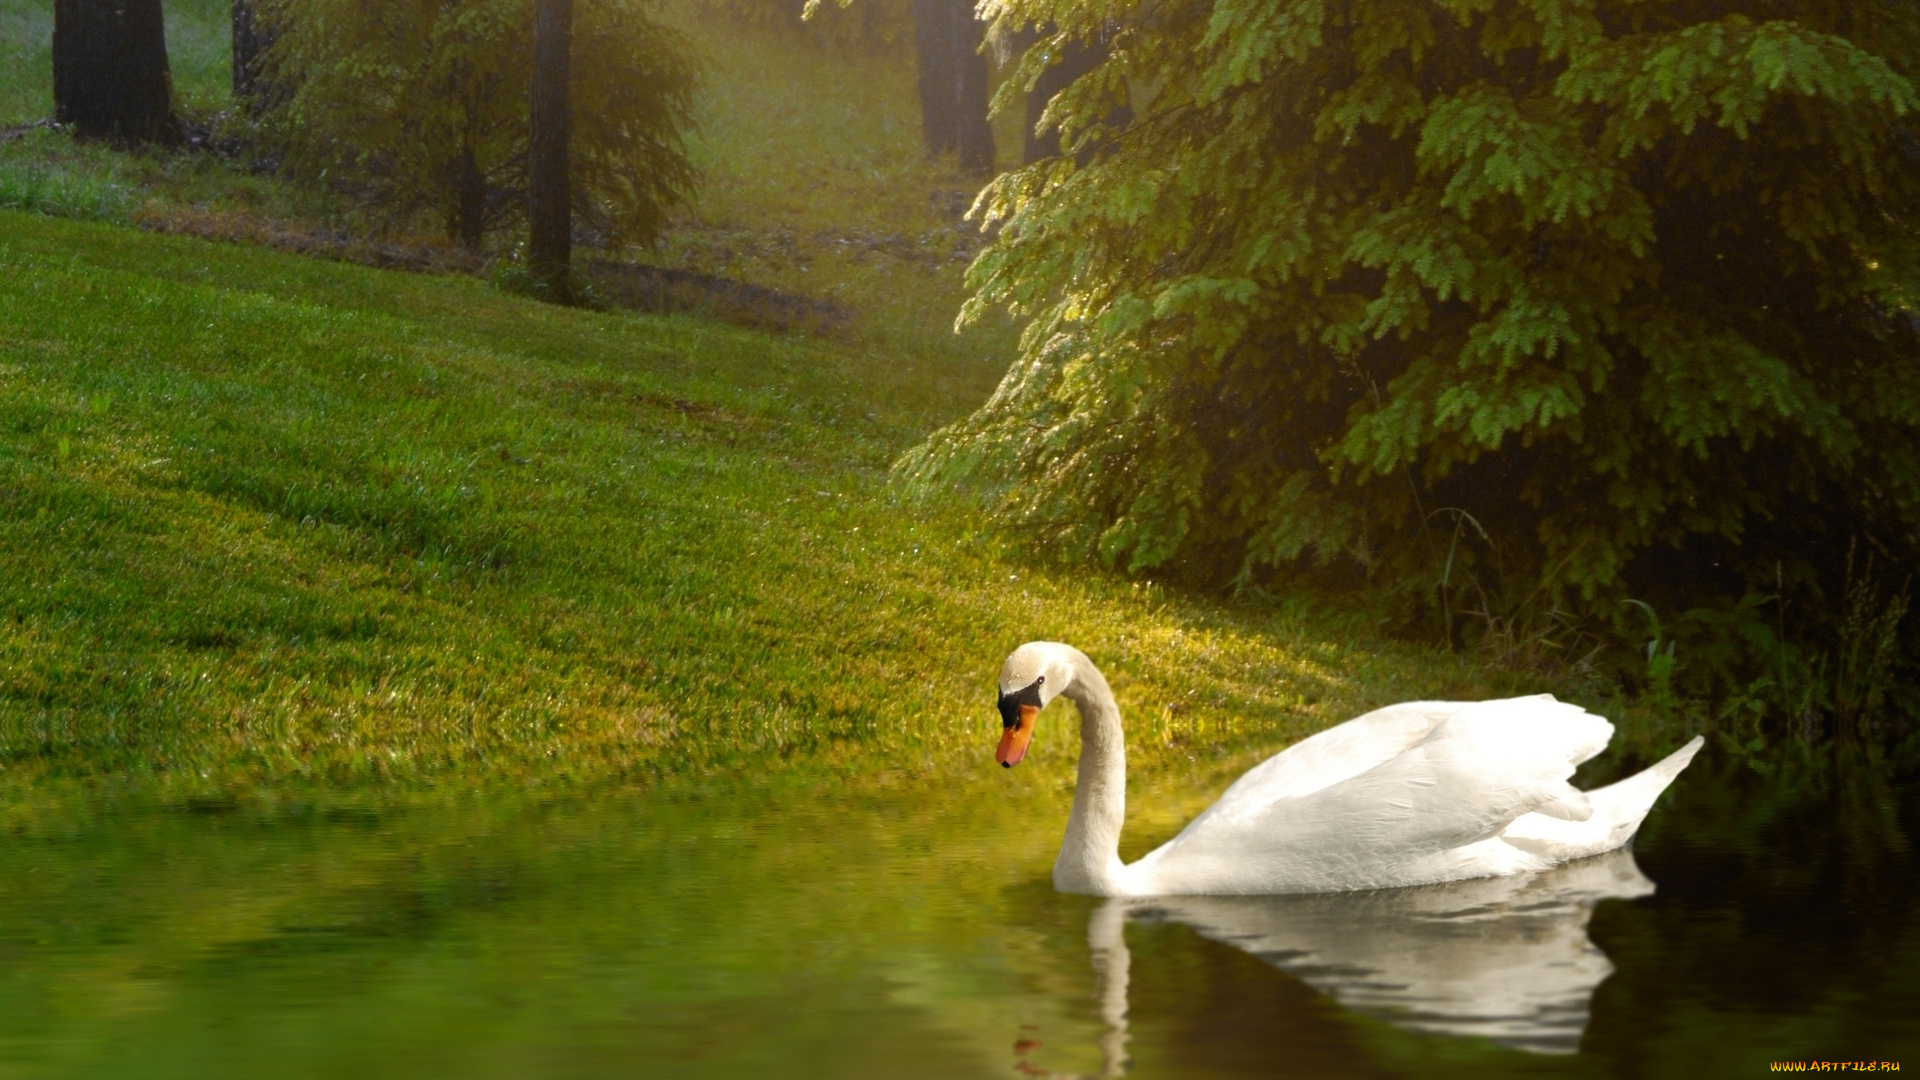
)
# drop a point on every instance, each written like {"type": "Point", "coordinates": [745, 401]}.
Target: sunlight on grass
{"type": "Point", "coordinates": [271, 517]}
{"type": "Point", "coordinates": [846, 126]}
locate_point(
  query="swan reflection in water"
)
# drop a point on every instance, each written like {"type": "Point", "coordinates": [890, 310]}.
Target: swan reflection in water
{"type": "Point", "coordinates": [1506, 959]}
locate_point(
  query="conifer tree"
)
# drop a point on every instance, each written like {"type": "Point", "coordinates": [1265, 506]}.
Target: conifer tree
{"type": "Point", "coordinates": [1042, 139]}
{"type": "Point", "coordinates": [423, 107]}
{"type": "Point", "coordinates": [1582, 299]}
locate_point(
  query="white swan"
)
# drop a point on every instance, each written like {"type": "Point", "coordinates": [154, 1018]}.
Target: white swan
{"type": "Point", "coordinates": [1412, 794]}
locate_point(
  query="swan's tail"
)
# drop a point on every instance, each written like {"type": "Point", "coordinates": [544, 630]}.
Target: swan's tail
{"type": "Point", "coordinates": [1618, 810]}
{"type": "Point", "coordinates": [1626, 803]}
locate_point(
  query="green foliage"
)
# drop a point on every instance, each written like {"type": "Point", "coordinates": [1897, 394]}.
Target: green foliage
{"type": "Point", "coordinates": [421, 107]}
{"type": "Point", "coordinates": [1661, 656]}
{"type": "Point", "coordinates": [1868, 641]}
{"type": "Point", "coordinates": [1632, 284]}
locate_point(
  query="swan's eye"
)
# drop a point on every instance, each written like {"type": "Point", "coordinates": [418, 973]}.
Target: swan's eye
{"type": "Point", "coordinates": [1010, 703]}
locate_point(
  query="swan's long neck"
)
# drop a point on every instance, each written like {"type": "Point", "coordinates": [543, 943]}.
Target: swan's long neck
{"type": "Point", "coordinates": [1089, 859]}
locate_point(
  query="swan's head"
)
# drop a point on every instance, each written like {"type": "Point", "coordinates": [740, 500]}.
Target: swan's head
{"type": "Point", "coordinates": [1034, 675]}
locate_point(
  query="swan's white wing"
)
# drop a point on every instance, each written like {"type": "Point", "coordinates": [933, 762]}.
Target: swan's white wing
{"type": "Point", "coordinates": [1322, 760]}
{"type": "Point", "coordinates": [1474, 773]}
{"type": "Point", "coordinates": [1618, 810]}
{"type": "Point", "coordinates": [1400, 821]}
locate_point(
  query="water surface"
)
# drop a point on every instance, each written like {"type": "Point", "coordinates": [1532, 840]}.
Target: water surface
{"type": "Point", "coordinates": [806, 926]}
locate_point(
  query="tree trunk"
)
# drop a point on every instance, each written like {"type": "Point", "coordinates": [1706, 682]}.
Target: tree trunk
{"type": "Point", "coordinates": [550, 208]}
{"type": "Point", "coordinates": [250, 39]}
{"type": "Point", "coordinates": [470, 215]}
{"type": "Point", "coordinates": [110, 76]}
{"type": "Point", "coordinates": [933, 49]}
{"type": "Point", "coordinates": [971, 90]}
{"type": "Point", "coordinates": [953, 82]}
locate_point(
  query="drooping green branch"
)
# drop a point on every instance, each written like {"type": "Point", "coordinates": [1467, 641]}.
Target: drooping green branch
{"type": "Point", "coordinates": [1632, 284]}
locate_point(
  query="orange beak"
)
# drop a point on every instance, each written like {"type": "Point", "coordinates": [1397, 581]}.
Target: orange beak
{"type": "Point", "coordinates": [1013, 740]}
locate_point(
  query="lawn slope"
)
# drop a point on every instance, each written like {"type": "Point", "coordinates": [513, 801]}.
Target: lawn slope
{"type": "Point", "coordinates": [264, 516]}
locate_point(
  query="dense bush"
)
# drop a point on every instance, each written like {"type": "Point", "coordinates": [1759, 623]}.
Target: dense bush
{"type": "Point", "coordinates": [1501, 302]}
{"type": "Point", "coordinates": [421, 107]}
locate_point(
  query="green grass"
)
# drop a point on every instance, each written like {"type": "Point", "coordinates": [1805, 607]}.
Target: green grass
{"type": "Point", "coordinates": [200, 52]}
{"type": "Point", "coordinates": [47, 171]}
{"type": "Point", "coordinates": [262, 516]}
{"type": "Point", "coordinates": [43, 171]}
{"type": "Point", "coordinates": [26, 61]}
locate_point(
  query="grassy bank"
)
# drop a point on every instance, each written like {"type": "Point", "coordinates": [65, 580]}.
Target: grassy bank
{"type": "Point", "coordinates": [267, 516]}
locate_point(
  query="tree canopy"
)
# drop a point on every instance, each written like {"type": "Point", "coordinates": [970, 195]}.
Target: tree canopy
{"type": "Point", "coordinates": [1598, 298]}
{"type": "Point", "coordinates": [422, 106]}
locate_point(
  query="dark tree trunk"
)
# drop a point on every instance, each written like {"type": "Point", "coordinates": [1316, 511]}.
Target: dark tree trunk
{"type": "Point", "coordinates": [953, 81]}
{"type": "Point", "coordinates": [110, 77]}
{"type": "Point", "coordinates": [976, 136]}
{"type": "Point", "coordinates": [470, 216]}
{"type": "Point", "coordinates": [1079, 58]}
{"type": "Point", "coordinates": [250, 39]}
{"type": "Point", "coordinates": [933, 49]}
{"type": "Point", "coordinates": [550, 208]}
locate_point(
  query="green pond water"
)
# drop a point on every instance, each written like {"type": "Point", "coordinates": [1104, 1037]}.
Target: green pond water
{"type": "Point", "coordinates": [809, 927]}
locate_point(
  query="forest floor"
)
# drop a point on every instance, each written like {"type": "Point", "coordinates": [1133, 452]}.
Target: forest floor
{"type": "Point", "coordinates": [266, 517]}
